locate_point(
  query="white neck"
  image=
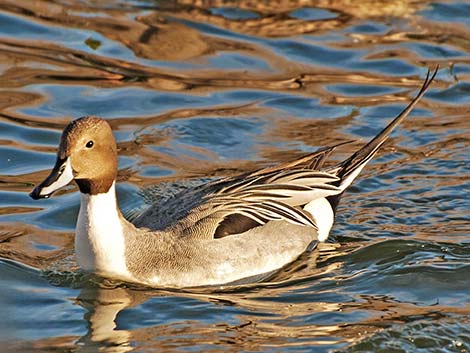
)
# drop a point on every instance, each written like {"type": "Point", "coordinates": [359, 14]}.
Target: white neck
{"type": "Point", "coordinates": [99, 235]}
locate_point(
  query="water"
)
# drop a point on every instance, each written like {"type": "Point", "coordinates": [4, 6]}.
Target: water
{"type": "Point", "coordinates": [197, 91]}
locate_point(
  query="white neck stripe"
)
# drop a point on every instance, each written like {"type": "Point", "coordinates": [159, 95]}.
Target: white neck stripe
{"type": "Point", "coordinates": [99, 239]}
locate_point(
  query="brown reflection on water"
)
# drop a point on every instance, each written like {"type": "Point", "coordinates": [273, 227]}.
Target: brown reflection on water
{"type": "Point", "coordinates": [154, 36]}
{"type": "Point", "coordinates": [279, 24]}
{"type": "Point", "coordinates": [15, 99]}
{"type": "Point", "coordinates": [450, 33]}
{"type": "Point", "coordinates": [274, 19]}
{"type": "Point", "coordinates": [73, 67]}
{"type": "Point", "coordinates": [151, 36]}
{"type": "Point", "coordinates": [22, 243]}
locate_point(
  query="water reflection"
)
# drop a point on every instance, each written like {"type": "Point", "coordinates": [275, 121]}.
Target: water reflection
{"type": "Point", "coordinates": [103, 306]}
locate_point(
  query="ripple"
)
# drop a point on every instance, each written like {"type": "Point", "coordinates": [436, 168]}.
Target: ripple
{"type": "Point", "coordinates": [442, 335]}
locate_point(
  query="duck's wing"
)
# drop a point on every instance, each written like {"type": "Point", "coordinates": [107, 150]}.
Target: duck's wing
{"type": "Point", "coordinates": [225, 205]}
{"type": "Point", "coordinates": [239, 204]}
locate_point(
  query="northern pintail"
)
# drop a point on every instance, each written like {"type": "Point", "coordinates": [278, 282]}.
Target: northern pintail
{"type": "Point", "coordinates": [228, 230]}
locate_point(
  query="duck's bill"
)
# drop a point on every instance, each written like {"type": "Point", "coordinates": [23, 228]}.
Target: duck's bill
{"type": "Point", "coordinates": [61, 175]}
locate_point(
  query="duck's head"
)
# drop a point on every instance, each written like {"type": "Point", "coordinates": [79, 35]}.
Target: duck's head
{"type": "Point", "coordinates": [87, 154]}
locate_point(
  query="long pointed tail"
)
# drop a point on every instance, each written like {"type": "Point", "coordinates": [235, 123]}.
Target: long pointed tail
{"type": "Point", "coordinates": [351, 167]}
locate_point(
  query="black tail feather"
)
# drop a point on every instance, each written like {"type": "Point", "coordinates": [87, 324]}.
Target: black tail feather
{"type": "Point", "coordinates": [365, 154]}
{"type": "Point", "coordinates": [347, 169]}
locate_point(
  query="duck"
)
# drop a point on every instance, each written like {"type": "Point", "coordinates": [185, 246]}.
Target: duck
{"type": "Point", "coordinates": [232, 230]}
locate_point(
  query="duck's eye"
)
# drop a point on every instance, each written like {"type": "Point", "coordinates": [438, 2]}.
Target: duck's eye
{"type": "Point", "coordinates": [89, 144]}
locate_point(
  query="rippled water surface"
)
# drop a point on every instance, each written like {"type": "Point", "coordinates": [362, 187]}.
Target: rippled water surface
{"type": "Point", "coordinates": [197, 90]}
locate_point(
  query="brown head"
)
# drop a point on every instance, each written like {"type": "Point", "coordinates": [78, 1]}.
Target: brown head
{"type": "Point", "coordinates": [87, 154]}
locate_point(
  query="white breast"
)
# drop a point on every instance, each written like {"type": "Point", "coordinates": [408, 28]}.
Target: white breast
{"type": "Point", "coordinates": [99, 238]}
